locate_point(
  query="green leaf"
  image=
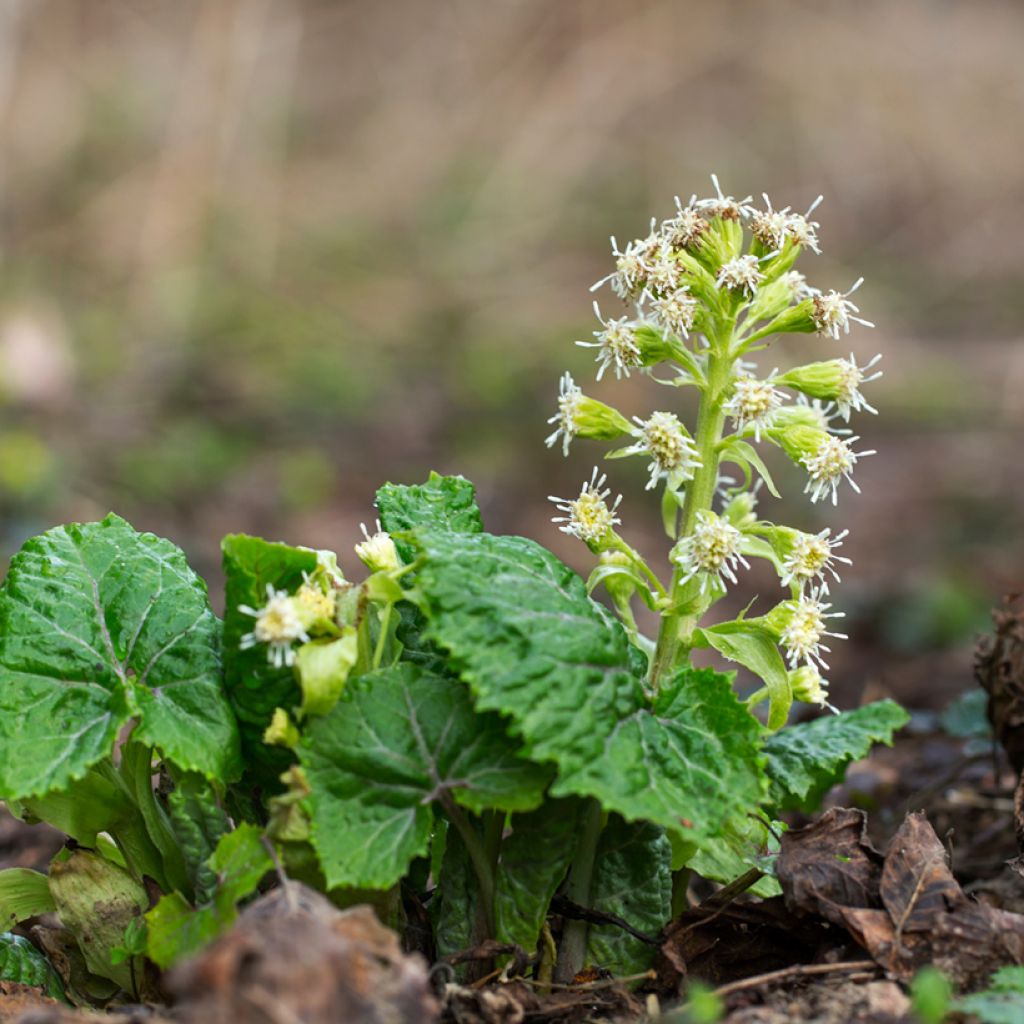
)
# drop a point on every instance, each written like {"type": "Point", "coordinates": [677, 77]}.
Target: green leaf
{"type": "Point", "coordinates": [1001, 1003]}
{"type": "Point", "coordinates": [176, 929]}
{"type": "Point", "coordinates": [745, 455]}
{"type": "Point", "coordinates": [100, 624]}
{"type": "Point", "coordinates": [743, 845]}
{"type": "Point", "coordinates": [804, 761]}
{"type": "Point", "coordinates": [523, 633]}
{"type": "Point", "coordinates": [198, 822]}
{"type": "Point", "coordinates": [691, 763]}
{"type": "Point", "coordinates": [633, 880]}
{"type": "Point", "coordinates": [533, 861]}
{"type": "Point", "coordinates": [23, 964]}
{"type": "Point", "coordinates": [397, 741]}
{"type": "Point", "coordinates": [254, 685]}
{"type": "Point", "coordinates": [753, 647]}
{"type": "Point", "coordinates": [443, 503]}
{"type": "Point", "coordinates": [455, 905]}
{"type": "Point", "coordinates": [23, 894]}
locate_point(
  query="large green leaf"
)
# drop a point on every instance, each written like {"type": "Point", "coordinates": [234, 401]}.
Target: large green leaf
{"type": "Point", "coordinates": [254, 685]}
{"type": "Point", "coordinates": [100, 624]}
{"type": "Point", "coordinates": [804, 761]}
{"type": "Point", "coordinates": [533, 861]}
{"type": "Point", "coordinates": [532, 645]}
{"type": "Point", "coordinates": [444, 503]}
{"type": "Point", "coordinates": [633, 880]}
{"type": "Point", "coordinates": [23, 964]}
{"type": "Point", "coordinates": [523, 633]}
{"type": "Point", "coordinates": [399, 740]}
{"type": "Point", "coordinates": [691, 763]}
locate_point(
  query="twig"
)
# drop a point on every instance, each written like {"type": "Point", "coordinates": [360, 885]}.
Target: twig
{"type": "Point", "coordinates": [788, 973]}
{"type": "Point", "coordinates": [590, 986]}
{"type": "Point", "coordinates": [572, 910]}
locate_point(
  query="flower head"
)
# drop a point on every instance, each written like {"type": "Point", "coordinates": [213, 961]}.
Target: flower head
{"type": "Point", "coordinates": [570, 396]}
{"type": "Point", "coordinates": [711, 552]}
{"type": "Point", "coordinates": [742, 274]}
{"type": "Point", "coordinates": [672, 451]}
{"type": "Point", "coordinates": [686, 227]}
{"type": "Point", "coordinates": [769, 226]}
{"type": "Point", "coordinates": [753, 403]}
{"type": "Point", "coordinates": [588, 517]}
{"type": "Point", "coordinates": [665, 275]}
{"type": "Point", "coordinates": [675, 312]}
{"type": "Point", "coordinates": [798, 286]}
{"type": "Point", "coordinates": [809, 687]}
{"type": "Point", "coordinates": [811, 556]}
{"type": "Point", "coordinates": [632, 265]}
{"type": "Point", "coordinates": [832, 311]}
{"type": "Point", "coordinates": [801, 637]}
{"type": "Point", "coordinates": [278, 624]}
{"type": "Point", "coordinates": [851, 377]}
{"type": "Point", "coordinates": [802, 230]}
{"type": "Point", "coordinates": [377, 551]}
{"type": "Point", "coordinates": [616, 345]}
{"type": "Point", "coordinates": [312, 604]}
{"type": "Point", "coordinates": [721, 205]}
{"type": "Point", "coordinates": [833, 461]}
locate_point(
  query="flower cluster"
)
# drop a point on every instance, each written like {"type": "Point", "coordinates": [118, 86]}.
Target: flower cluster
{"type": "Point", "coordinates": [706, 288]}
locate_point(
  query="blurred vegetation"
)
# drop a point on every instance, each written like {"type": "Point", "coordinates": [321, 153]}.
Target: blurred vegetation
{"type": "Point", "coordinates": [261, 255]}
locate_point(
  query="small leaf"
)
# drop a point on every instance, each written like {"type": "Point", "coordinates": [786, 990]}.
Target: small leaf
{"type": "Point", "coordinates": [804, 761]}
{"type": "Point", "coordinates": [445, 503]}
{"type": "Point", "coordinates": [23, 964]}
{"type": "Point", "coordinates": [176, 929]}
{"type": "Point", "coordinates": [753, 647]}
{"type": "Point", "coordinates": [633, 880]}
{"type": "Point", "coordinates": [533, 862]}
{"type": "Point", "coordinates": [397, 741]}
{"type": "Point", "coordinates": [255, 686]}
{"type": "Point", "coordinates": [745, 455]}
{"type": "Point", "coordinates": [1001, 1003]}
{"type": "Point", "coordinates": [455, 905]}
{"type": "Point", "coordinates": [100, 624]}
{"type": "Point", "coordinates": [23, 894]}
{"type": "Point", "coordinates": [198, 822]}
{"type": "Point", "coordinates": [323, 667]}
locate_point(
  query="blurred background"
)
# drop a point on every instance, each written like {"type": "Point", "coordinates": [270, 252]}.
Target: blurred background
{"type": "Point", "coordinates": [260, 256]}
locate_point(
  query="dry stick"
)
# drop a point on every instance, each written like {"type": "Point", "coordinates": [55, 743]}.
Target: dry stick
{"type": "Point", "coordinates": [799, 971]}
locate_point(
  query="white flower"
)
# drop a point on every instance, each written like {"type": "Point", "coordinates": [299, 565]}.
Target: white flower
{"type": "Point", "coordinates": [832, 311]}
{"type": "Point", "coordinates": [588, 517]}
{"type": "Point", "coordinates": [807, 625]}
{"type": "Point", "coordinates": [616, 345]}
{"type": "Point", "coordinates": [665, 274]}
{"type": "Point", "coordinates": [852, 376]}
{"type": "Point", "coordinates": [674, 313]}
{"type": "Point", "coordinates": [377, 551]}
{"type": "Point", "coordinates": [802, 229]}
{"type": "Point", "coordinates": [721, 205]}
{"type": "Point", "coordinates": [752, 403]}
{"type": "Point", "coordinates": [826, 468]}
{"type": "Point", "coordinates": [811, 557]}
{"type": "Point", "coordinates": [797, 284]}
{"type": "Point", "coordinates": [769, 226]}
{"type": "Point", "coordinates": [278, 624]}
{"type": "Point", "coordinates": [673, 454]}
{"type": "Point", "coordinates": [632, 265]}
{"type": "Point", "coordinates": [741, 273]}
{"type": "Point", "coordinates": [569, 397]}
{"type": "Point", "coordinates": [711, 552]}
{"type": "Point", "coordinates": [686, 227]}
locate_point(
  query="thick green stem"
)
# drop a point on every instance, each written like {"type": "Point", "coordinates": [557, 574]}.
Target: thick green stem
{"type": "Point", "coordinates": [573, 949]}
{"type": "Point", "coordinates": [679, 622]}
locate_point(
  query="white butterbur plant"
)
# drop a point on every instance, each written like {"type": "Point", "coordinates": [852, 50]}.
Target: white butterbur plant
{"type": "Point", "coordinates": [709, 287]}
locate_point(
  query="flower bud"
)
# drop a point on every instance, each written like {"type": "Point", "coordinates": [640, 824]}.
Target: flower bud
{"type": "Point", "coordinates": [282, 731]}
{"type": "Point", "coordinates": [772, 299]}
{"type": "Point", "coordinates": [378, 552]}
{"type": "Point", "coordinates": [797, 439]}
{"type": "Point", "coordinates": [808, 686]}
{"type": "Point", "coordinates": [741, 510]}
